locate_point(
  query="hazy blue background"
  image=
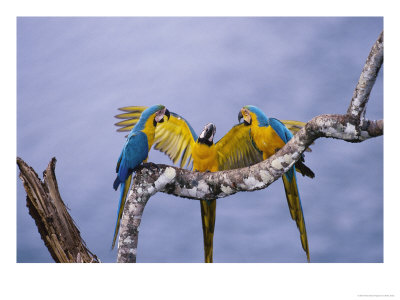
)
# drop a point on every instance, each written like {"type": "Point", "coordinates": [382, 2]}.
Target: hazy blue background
{"type": "Point", "coordinates": [73, 74]}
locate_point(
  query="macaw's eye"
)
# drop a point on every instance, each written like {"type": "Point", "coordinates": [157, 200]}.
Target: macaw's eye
{"type": "Point", "coordinates": [167, 113]}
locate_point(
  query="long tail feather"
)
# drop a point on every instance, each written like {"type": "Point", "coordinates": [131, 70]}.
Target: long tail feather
{"type": "Point", "coordinates": [296, 211]}
{"type": "Point", "coordinates": [124, 191]}
{"type": "Point", "coordinates": [208, 211]}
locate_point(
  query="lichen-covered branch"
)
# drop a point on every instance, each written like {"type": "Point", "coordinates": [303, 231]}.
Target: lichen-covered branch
{"type": "Point", "coordinates": [351, 127]}
{"type": "Point", "coordinates": [367, 79]}
{"type": "Point", "coordinates": [56, 227]}
{"type": "Point", "coordinates": [145, 185]}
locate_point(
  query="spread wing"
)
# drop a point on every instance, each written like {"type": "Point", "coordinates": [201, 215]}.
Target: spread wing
{"type": "Point", "coordinates": [131, 117]}
{"type": "Point", "coordinates": [174, 137]}
{"type": "Point", "coordinates": [236, 149]}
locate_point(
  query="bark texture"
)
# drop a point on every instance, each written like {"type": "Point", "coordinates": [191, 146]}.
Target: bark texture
{"type": "Point", "coordinates": [366, 82]}
{"type": "Point", "coordinates": [56, 227]}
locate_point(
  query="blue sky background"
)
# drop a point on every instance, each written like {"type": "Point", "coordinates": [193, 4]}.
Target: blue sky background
{"type": "Point", "coordinates": [73, 74]}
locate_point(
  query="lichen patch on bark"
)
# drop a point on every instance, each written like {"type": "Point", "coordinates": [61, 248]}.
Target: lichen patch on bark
{"type": "Point", "coordinates": [252, 183]}
{"type": "Point", "coordinates": [226, 190]}
{"type": "Point", "coordinates": [165, 178]}
{"type": "Point", "coordinates": [266, 177]}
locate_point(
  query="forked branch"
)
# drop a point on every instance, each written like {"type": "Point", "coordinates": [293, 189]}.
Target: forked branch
{"type": "Point", "coordinates": [56, 227]}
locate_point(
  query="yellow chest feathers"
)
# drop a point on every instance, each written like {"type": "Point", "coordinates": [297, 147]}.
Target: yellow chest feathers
{"type": "Point", "coordinates": [266, 139]}
{"type": "Point", "coordinates": [204, 158]}
{"type": "Point", "coordinates": [149, 130]}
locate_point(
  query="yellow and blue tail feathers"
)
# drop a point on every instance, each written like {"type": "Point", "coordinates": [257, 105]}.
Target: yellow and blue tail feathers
{"type": "Point", "coordinates": [295, 208]}
{"type": "Point", "coordinates": [208, 213]}
{"type": "Point", "coordinates": [124, 191]}
{"type": "Point", "coordinates": [290, 184]}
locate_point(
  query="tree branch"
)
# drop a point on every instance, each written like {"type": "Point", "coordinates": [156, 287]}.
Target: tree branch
{"type": "Point", "coordinates": [56, 227]}
{"type": "Point", "coordinates": [351, 127]}
{"type": "Point", "coordinates": [367, 79]}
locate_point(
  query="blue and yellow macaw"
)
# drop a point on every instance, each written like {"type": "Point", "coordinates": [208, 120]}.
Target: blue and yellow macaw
{"type": "Point", "coordinates": [178, 140]}
{"type": "Point", "coordinates": [269, 135]}
{"type": "Point", "coordinates": [135, 151]}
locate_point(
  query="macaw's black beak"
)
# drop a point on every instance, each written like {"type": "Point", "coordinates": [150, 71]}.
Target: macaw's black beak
{"type": "Point", "coordinates": [167, 113]}
{"type": "Point", "coordinates": [240, 116]}
{"type": "Point", "coordinates": [207, 135]}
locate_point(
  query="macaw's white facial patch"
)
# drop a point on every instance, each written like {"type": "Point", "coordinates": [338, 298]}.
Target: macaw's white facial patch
{"type": "Point", "coordinates": [246, 116]}
{"type": "Point", "coordinates": [160, 115]}
{"type": "Point", "coordinates": [208, 132]}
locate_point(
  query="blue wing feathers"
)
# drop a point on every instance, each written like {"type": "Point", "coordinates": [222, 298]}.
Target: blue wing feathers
{"type": "Point", "coordinates": [135, 151]}
{"type": "Point", "coordinates": [281, 129]}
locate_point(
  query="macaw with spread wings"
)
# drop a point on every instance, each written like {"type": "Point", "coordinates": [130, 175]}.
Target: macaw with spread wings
{"type": "Point", "coordinates": [135, 151]}
{"type": "Point", "coordinates": [178, 140]}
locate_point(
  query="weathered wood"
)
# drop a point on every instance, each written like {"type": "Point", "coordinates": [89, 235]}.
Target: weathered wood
{"type": "Point", "coordinates": [56, 227]}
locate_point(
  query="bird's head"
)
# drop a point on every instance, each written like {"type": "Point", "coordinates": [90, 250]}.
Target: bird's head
{"type": "Point", "coordinates": [250, 114]}
{"type": "Point", "coordinates": [160, 112]}
{"type": "Point", "coordinates": [207, 135]}
{"type": "Point", "coordinates": [245, 114]}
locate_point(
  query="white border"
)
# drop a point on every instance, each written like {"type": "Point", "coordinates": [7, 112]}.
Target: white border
{"type": "Point", "coordinates": [189, 281]}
